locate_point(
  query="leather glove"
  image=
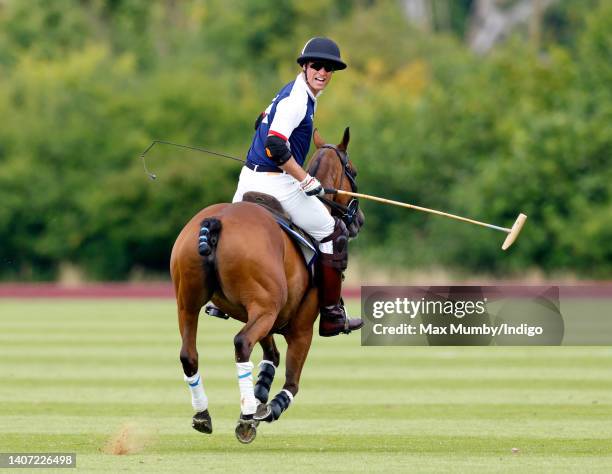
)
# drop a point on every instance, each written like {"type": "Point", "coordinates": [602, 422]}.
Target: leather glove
{"type": "Point", "coordinates": [311, 186]}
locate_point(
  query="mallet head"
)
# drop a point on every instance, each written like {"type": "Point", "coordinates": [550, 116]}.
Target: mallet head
{"type": "Point", "coordinates": [514, 232]}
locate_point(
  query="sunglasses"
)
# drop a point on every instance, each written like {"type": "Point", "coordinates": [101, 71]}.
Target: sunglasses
{"type": "Point", "coordinates": [318, 65]}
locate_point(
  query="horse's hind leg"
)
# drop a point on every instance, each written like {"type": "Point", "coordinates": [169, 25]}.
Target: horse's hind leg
{"type": "Point", "coordinates": [267, 368]}
{"type": "Point", "coordinates": [189, 301]}
{"type": "Point", "coordinates": [192, 270]}
{"type": "Point", "coordinates": [188, 326]}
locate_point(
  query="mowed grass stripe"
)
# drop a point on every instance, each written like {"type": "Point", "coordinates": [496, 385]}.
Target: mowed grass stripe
{"type": "Point", "coordinates": [316, 460]}
{"type": "Point", "coordinates": [213, 373]}
{"type": "Point", "coordinates": [213, 332]}
{"type": "Point", "coordinates": [432, 381]}
{"type": "Point", "coordinates": [302, 409]}
{"type": "Point", "coordinates": [339, 357]}
{"type": "Point", "coordinates": [364, 396]}
{"type": "Point", "coordinates": [66, 317]}
{"type": "Point", "coordinates": [357, 443]}
{"type": "Point", "coordinates": [292, 424]}
{"type": "Point", "coordinates": [53, 338]}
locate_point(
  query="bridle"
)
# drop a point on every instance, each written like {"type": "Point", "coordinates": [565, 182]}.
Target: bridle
{"type": "Point", "coordinates": [346, 213]}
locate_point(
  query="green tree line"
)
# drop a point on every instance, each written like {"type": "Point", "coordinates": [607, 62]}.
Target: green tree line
{"type": "Point", "coordinates": [86, 85]}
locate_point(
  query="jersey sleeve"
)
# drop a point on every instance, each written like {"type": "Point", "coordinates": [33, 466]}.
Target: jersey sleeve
{"type": "Point", "coordinates": [290, 111]}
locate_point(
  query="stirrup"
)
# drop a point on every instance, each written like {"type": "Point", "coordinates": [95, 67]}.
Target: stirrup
{"type": "Point", "coordinates": [339, 323]}
{"type": "Point", "coordinates": [347, 320]}
{"type": "Point", "coordinates": [212, 310]}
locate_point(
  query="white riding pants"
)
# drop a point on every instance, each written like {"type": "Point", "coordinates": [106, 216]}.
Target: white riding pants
{"type": "Point", "coordinates": [306, 211]}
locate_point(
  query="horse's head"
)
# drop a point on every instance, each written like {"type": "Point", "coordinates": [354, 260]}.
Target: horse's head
{"type": "Point", "coordinates": [331, 165]}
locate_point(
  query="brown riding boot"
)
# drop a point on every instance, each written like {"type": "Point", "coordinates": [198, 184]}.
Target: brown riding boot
{"type": "Point", "coordinates": [333, 319]}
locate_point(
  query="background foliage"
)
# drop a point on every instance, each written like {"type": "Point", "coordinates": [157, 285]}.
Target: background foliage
{"type": "Point", "coordinates": [85, 86]}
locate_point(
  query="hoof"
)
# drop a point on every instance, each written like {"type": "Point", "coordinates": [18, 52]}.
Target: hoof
{"type": "Point", "coordinates": [264, 413]}
{"type": "Point", "coordinates": [246, 430]}
{"type": "Point", "coordinates": [201, 422]}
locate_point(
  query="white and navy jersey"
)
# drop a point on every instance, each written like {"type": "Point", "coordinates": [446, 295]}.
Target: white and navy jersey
{"type": "Point", "coordinates": [290, 117]}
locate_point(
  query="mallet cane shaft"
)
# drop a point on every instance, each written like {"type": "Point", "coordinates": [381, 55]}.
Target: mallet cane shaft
{"type": "Point", "coordinates": [512, 231]}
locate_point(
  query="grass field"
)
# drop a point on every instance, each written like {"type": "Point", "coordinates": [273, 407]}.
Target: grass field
{"type": "Point", "coordinates": [73, 373]}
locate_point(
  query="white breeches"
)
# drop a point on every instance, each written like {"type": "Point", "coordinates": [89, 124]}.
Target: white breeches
{"type": "Point", "coordinates": [306, 211]}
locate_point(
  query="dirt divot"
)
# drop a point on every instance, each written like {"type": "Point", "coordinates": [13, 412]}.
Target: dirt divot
{"type": "Point", "coordinates": [129, 439]}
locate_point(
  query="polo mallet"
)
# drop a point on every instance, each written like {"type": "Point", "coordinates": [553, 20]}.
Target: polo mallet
{"type": "Point", "coordinates": [512, 232]}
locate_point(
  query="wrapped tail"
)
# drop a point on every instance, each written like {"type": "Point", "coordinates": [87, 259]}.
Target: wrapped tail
{"type": "Point", "coordinates": [208, 238]}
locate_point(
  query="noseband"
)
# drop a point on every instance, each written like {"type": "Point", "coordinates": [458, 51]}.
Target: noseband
{"type": "Point", "coordinates": [346, 213]}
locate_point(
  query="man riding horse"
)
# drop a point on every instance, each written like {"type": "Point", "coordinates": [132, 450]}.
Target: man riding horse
{"type": "Point", "coordinates": [274, 166]}
{"type": "Point", "coordinates": [238, 256]}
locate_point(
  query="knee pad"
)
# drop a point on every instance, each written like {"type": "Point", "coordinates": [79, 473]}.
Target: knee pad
{"type": "Point", "coordinates": [339, 238]}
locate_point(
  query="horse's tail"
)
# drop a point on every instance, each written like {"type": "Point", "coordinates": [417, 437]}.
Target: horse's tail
{"type": "Point", "coordinates": [210, 228]}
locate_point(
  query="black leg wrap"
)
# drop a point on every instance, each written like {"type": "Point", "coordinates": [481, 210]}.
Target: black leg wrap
{"type": "Point", "coordinates": [264, 382]}
{"type": "Point", "coordinates": [273, 410]}
{"type": "Point", "coordinates": [279, 404]}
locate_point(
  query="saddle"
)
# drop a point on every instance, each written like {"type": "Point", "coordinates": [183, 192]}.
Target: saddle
{"type": "Point", "coordinates": [305, 242]}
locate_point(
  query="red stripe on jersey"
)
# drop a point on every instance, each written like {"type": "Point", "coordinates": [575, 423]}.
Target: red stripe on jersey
{"type": "Point", "coordinates": [279, 135]}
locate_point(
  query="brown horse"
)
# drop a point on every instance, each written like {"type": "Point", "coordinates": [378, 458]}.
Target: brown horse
{"type": "Point", "coordinates": [238, 256]}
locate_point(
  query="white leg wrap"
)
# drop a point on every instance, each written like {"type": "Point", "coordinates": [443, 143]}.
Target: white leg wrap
{"type": "Point", "coordinates": [199, 400]}
{"type": "Point", "coordinates": [289, 394]}
{"type": "Point", "coordinates": [248, 403]}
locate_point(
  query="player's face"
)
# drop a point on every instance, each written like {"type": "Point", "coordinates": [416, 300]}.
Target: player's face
{"type": "Point", "coordinates": [318, 75]}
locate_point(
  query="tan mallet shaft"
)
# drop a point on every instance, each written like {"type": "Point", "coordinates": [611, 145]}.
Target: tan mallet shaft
{"type": "Point", "coordinates": [513, 232]}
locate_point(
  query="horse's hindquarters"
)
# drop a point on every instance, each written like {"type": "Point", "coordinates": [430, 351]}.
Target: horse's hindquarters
{"type": "Point", "coordinates": [192, 286]}
{"type": "Point", "coordinates": [250, 258]}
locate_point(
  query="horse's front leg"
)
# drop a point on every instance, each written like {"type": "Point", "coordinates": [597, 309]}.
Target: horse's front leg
{"type": "Point", "coordinates": [299, 338]}
{"type": "Point", "coordinates": [261, 318]}
{"type": "Point", "coordinates": [267, 368]}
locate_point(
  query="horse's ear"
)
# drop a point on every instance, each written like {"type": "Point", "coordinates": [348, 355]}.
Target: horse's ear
{"type": "Point", "coordinates": [345, 139]}
{"type": "Point", "coordinates": [318, 141]}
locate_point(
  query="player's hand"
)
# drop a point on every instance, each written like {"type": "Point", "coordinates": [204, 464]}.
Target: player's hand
{"type": "Point", "coordinates": [311, 186]}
